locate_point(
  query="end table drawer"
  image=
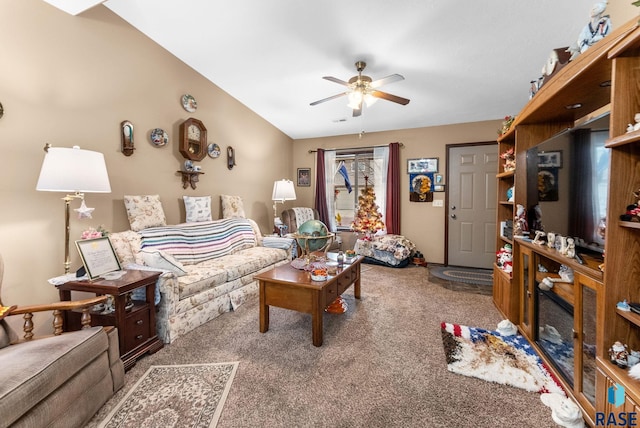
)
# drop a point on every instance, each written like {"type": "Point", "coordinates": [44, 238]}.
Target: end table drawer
{"type": "Point", "coordinates": [331, 293]}
{"type": "Point", "coordinates": [345, 281]}
{"type": "Point", "coordinates": [136, 329]}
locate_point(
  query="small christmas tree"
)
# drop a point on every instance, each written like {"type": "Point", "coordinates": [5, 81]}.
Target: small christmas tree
{"type": "Point", "coordinates": [368, 217]}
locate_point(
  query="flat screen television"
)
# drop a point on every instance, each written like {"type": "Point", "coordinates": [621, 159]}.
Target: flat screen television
{"type": "Point", "coordinates": [567, 180]}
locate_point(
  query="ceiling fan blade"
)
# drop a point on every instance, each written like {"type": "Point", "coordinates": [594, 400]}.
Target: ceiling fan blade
{"type": "Point", "coordinates": [389, 97]}
{"type": "Point", "coordinates": [386, 80]}
{"type": "Point", "coordinates": [336, 80]}
{"type": "Point", "coordinates": [328, 99]}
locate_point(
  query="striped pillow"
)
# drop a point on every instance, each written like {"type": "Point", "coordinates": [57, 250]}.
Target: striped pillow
{"type": "Point", "coordinates": [195, 242]}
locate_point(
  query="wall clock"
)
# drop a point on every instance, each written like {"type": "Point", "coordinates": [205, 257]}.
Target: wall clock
{"type": "Point", "coordinates": [193, 139]}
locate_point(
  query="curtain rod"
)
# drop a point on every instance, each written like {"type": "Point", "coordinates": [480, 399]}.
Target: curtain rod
{"type": "Point", "coordinates": [355, 148]}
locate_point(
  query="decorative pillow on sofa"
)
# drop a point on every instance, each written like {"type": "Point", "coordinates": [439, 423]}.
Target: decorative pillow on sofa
{"type": "Point", "coordinates": [198, 208]}
{"type": "Point", "coordinates": [232, 206]}
{"type": "Point", "coordinates": [161, 260]}
{"type": "Point", "coordinates": [144, 211]}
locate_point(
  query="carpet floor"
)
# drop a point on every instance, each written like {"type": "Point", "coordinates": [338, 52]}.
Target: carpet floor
{"type": "Point", "coordinates": [381, 364]}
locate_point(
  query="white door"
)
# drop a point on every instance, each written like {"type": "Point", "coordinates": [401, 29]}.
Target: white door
{"type": "Point", "coordinates": [471, 210]}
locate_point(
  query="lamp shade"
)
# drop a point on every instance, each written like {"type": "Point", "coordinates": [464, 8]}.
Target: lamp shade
{"type": "Point", "coordinates": [73, 170]}
{"type": "Point", "coordinates": [283, 190]}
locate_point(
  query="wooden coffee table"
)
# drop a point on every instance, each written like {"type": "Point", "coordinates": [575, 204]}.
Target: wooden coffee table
{"type": "Point", "coordinates": [290, 288]}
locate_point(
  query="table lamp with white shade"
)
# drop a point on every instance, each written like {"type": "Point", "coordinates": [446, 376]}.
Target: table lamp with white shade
{"type": "Point", "coordinates": [283, 190]}
{"type": "Point", "coordinates": [75, 171]}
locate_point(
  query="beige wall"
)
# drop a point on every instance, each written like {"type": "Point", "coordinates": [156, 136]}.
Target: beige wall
{"type": "Point", "coordinates": [422, 223]}
{"type": "Point", "coordinates": [71, 81]}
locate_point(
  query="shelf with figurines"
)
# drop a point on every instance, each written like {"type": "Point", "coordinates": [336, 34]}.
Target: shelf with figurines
{"type": "Point", "coordinates": [507, 132]}
{"type": "Point", "coordinates": [631, 136]}
{"type": "Point", "coordinates": [631, 218]}
{"type": "Point", "coordinates": [509, 165]}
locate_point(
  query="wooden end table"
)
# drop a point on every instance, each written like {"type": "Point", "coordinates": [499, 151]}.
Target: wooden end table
{"type": "Point", "coordinates": [290, 288]}
{"type": "Point", "coordinates": [136, 327]}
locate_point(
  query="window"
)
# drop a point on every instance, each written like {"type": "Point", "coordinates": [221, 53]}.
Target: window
{"type": "Point", "coordinates": [358, 166]}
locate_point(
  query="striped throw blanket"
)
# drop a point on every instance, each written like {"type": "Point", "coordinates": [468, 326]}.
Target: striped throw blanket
{"type": "Point", "coordinates": [195, 242]}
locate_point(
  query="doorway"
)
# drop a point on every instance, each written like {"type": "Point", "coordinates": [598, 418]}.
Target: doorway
{"type": "Point", "coordinates": [470, 229]}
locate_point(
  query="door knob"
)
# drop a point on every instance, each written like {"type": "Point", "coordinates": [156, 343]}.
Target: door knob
{"type": "Point", "coordinates": [453, 207]}
{"type": "Point", "coordinates": [453, 216]}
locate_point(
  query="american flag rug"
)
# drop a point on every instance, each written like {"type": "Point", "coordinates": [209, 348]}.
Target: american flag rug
{"type": "Point", "coordinates": [487, 355]}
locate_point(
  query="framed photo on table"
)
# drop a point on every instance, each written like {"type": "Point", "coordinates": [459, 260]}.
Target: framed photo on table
{"type": "Point", "coordinates": [98, 256]}
{"type": "Point", "coordinates": [422, 165]}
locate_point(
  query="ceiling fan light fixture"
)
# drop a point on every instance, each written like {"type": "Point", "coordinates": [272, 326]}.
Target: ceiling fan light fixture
{"type": "Point", "coordinates": [369, 100]}
{"type": "Point", "coordinates": [355, 99]}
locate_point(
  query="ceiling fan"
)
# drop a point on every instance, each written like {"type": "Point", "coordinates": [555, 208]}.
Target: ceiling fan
{"type": "Point", "coordinates": [363, 89]}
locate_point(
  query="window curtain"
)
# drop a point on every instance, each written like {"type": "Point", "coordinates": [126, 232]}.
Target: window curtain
{"type": "Point", "coordinates": [380, 162]}
{"type": "Point", "coordinates": [392, 211]}
{"type": "Point", "coordinates": [325, 190]}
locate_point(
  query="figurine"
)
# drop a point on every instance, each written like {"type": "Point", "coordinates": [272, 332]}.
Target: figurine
{"type": "Point", "coordinates": [598, 27]}
{"type": "Point", "coordinates": [566, 273]}
{"type": "Point", "coordinates": [539, 239]}
{"type": "Point", "coordinates": [633, 358]}
{"type": "Point", "coordinates": [624, 306]}
{"type": "Point", "coordinates": [564, 411]}
{"type": "Point", "coordinates": [633, 210]}
{"type": "Point", "coordinates": [507, 328]}
{"type": "Point", "coordinates": [571, 248]}
{"type": "Point", "coordinates": [563, 246]}
{"type": "Point", "coordinates": [636, 126]}
{"type": "Point", "coordinates": [618, 354]}
{"type": "Point", "coordinates": [520, 226]}
{"type": "Point", "coordinates": [504, 258]}
{"type": "Point", "coordinates": [551, 239]}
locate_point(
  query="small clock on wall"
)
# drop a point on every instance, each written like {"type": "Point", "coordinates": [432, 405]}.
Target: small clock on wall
{"type": "Point", "coordinates": [193, 139]}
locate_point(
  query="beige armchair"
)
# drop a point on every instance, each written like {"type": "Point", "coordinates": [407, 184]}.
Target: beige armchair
{"type": "Point", "coordinates": [56, 380]}
{"type": "Point", "coordinates": [293, 217]}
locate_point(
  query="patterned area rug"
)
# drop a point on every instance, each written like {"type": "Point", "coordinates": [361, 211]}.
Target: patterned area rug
{"type": "Point", "coordinates": [462, 274]}
{"type": "Point", "coordinates": [487, 355]}
{"type": "Point", "coordinates": [175, 396]}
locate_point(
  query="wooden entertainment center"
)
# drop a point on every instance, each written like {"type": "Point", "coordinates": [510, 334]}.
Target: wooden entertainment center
{"type": "Point", "coordinates": [604, 78]}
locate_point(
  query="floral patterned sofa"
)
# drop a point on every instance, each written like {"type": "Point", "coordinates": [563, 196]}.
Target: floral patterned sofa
{"type": "Point", "coordinates": [208, 267]}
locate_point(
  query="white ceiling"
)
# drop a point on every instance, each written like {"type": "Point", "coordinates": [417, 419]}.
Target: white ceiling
{"type": "Point", "coordinates": [463, 61]}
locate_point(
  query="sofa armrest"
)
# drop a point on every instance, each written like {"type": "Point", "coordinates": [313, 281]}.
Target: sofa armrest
{"type": "Point", "coordinates": [284, 243]}
{"type": "Point", "coordinates": [57, 309]}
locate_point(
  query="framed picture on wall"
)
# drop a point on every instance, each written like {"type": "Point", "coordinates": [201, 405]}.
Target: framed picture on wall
{"type": "Point", "coordinates": [422, 165]}
{"type": "Point", "coordinates": [304, 177]}
{"type": "Point", "coordinates": [550, 159]}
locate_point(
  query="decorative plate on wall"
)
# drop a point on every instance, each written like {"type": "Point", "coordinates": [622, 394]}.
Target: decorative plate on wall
{"type": "Point", "coordinates": [159, 137]}
{"type": "Point", "coordinates": [213, 150]}
{"type": "Point", "coordinates": [189, 103]}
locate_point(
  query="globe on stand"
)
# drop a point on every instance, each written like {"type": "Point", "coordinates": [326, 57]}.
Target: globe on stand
{"type": "Point", "coordinates": [313, 235]}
